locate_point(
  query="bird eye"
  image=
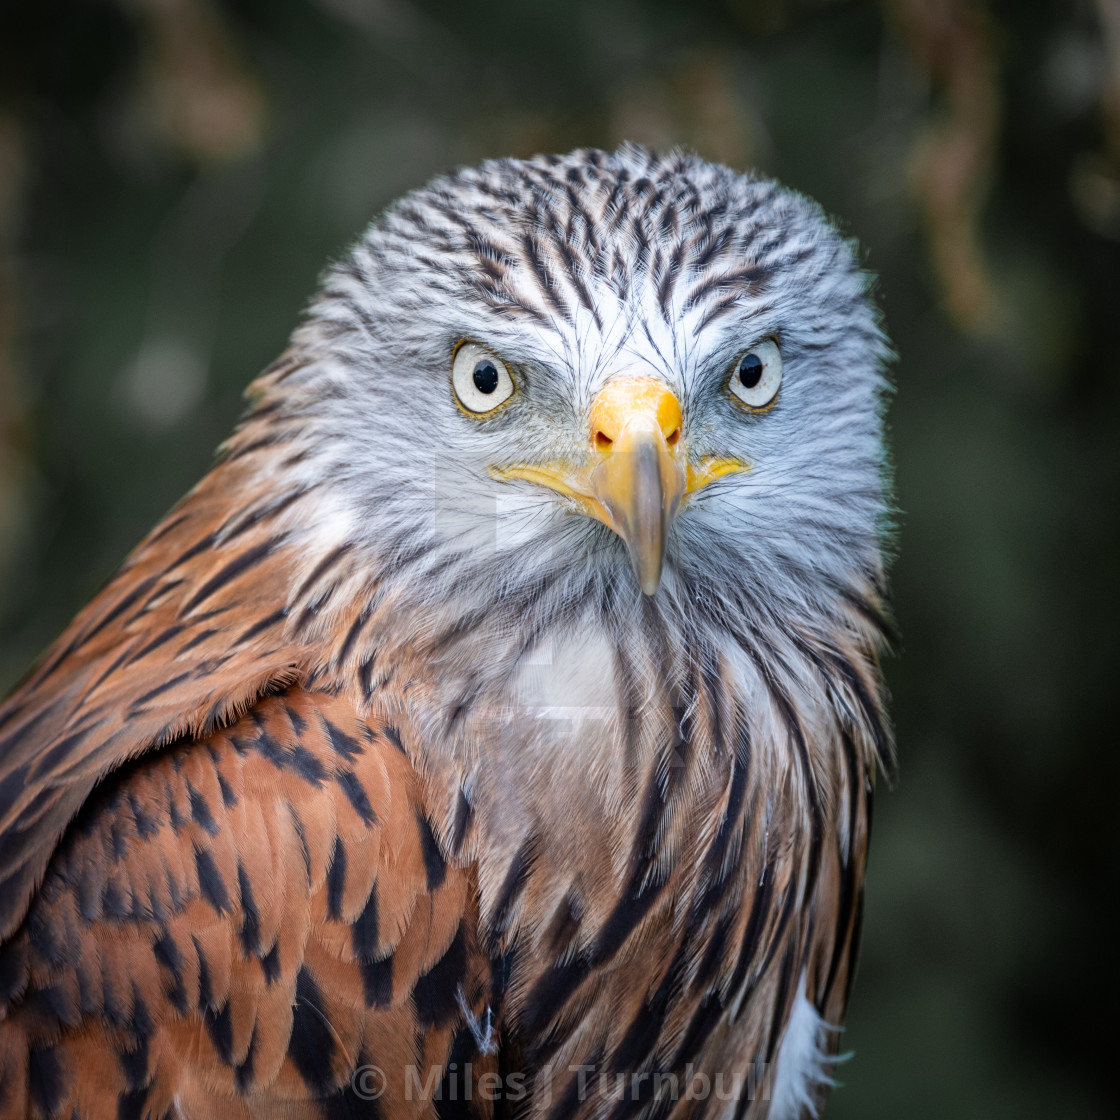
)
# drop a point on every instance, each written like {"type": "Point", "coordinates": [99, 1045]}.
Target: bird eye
{"type": "Point", "coordinates": [756, 375]}
{"type": "Point", "coordinates": [480, 380]}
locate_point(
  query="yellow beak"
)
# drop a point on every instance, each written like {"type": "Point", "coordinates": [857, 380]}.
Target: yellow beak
{"type": "Point", "coordinates": [636, 473]}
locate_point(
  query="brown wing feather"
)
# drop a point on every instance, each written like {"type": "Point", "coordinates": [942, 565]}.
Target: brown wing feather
{"type": "Point", "coordinates": [245, 920]}
{"type": "Point", "coordinates": [185, 637]}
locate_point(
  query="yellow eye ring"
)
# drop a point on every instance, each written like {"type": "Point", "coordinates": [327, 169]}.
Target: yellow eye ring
{"type": "Point", "coordinates": [756, 376]}
{"type": "Point", "coordinates": [480, 381]}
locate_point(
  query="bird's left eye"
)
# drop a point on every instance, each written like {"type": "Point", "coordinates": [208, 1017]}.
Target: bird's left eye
{"type": "Point", "coordinates": [757, 374]}
{"type": "Point", "coordinates": [480, 380]}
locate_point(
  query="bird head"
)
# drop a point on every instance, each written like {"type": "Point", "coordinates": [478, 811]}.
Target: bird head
{"type": "Point", "coordinates": [615, 377]}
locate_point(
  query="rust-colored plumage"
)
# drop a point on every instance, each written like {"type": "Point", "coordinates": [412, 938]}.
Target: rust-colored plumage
{"type": "Point", "coordinates": [282, 836]}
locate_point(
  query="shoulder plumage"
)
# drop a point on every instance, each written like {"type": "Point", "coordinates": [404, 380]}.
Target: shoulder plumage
{"type": "Point", "coordinates": [184, 638]}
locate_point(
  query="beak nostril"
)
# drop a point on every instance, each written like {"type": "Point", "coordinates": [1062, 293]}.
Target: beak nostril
{"type": "Point", "coordinates": [602, 441]}
{"type": "Point", "coordinates": [674, 437]}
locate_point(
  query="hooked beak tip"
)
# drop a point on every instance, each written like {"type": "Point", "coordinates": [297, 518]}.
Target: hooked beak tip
{"type": "Point", "coordinates": [649, 583]}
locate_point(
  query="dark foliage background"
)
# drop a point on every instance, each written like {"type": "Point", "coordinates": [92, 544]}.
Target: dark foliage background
{"type": "Point", "coordinates": [174, 174]}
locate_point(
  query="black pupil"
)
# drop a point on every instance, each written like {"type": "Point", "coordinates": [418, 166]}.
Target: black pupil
{"type": "Point", "coordinates": [485, 377]}
{"type": "Point", "coordinates": [750, 371]}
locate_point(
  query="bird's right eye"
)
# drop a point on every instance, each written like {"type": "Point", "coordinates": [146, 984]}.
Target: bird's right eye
{"type": "Point", "coordinates": [480, 380]}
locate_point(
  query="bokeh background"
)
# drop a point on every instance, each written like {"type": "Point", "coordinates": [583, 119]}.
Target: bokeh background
{"type": "Point", "coordinates": [175, 173]}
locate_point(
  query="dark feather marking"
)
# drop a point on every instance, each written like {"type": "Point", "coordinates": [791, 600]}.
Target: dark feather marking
{"type": "Point", "coordinates": [166, 951]}
{"type": "Point", "coordinates": [709, 248]}
{"type": "Point", "coordinates": [781, 998]}
{"type": "Point", "coordinates": [250, 932]}
{"type": "Point", "coordinates": [134, 1064]}
{"type": "Point", "coordinates": [198, 639]}
{"type": "Point", "coordinates": [210, 883]}
{"type": "Point", "coordinates": [748, 947]}
{"type": "Point", "coordinates": [299, 724]}
{"type": "Point", "coordinates": [870, 710]}
{"type": "Point", "coordinates": [347, 1103]}
{"type": "Point", "coordinates": [644, 1032]}
{"type": "Point", "coordinates": [163, 637]}
{"type": "Point", "coordinates": [205, 993]}
{"type": "Point", "coordinates": [434, 994]}
{"type": "Point", "coordinates": [270, 965]}
{"type": "Point", "coordinates": [464, 814]}
{"type": "Point", "coordinates": [301, 832]}
{"type": "Point", "coordinates": [434, 866]}
{"type": "Point", "coordinates": [715, 858]}
{"type": "Point", "coordinates": [219, 1026]}
{"type": "Point", "coordinates": [452, 1101]}
{"type": "Point", "coordinates": [141, 701]}
{"type": "Point", "coordinates": [556, 986]}
{"type": "Point", "coordinates": [173, 521]}
{"type": "Point", "coordinates": [733, 285]}
{"type": "Point", "coordinates": [125, 656]}
{"type": "Point", "coordinates": [199, 546]}
{"type": "Point", "coordinates": [644, 846]}
{"type": "Point", "coordinates": [13, 973]}
{"type": "Point", "coordinates": [627, 689]}
{"type": "Point", "coordinates": [236, 567]}
{"type": "Point", "coordinates": [567, 1104]}
{"type": "Point", "coordinates": [229, 798]}
{"type": "Point", "coordinates": [266, 623]}
{"type": "Point", "coordinates": [517, 876]}
{"type": "Point", "coordinates": [714, 952]}
{"type": "Point", "coordinates": [116, 904]}
{"type": "Point", "coordinates": [14, 782]}
{"type": "Point", "coordinates": [243, 1074]}
{"type": "Point", "coordinates": [848, 886]}
{"type": "Point", "coordinates": [297, 758]}
{"type": "Point", "coordinates": [562, 243]}
{"type": "Point", "coordinates": [312, 1043]}
{"type": "Point", "coordinates": [628, 913]}
{"type": "Point", "coordinates": [365, 929]}
{"type": "Point", "coordinates": [377, 981]}
{"type": "Point", "coordinates": [276, 437]}
{"type": "Point", "coordinates": [47, 1079]}
{"type": "Point", "coordinates": [352, 634]}
{"type": "Point", "coordinates": [780, 926]}
{"type": "Point", "coordinates": [854, 944]}
{"type": "Point", "coordinates": [874, 613]}
{"type": "Point", "coordinates": [562, 927]}
{"type": "Point", "coordinates": [269, 510]}
{"type": "Point", "coordinates": [365, 676]}
{"type": "Point", "coordinates": [345, 746]}
{"type": "Point", "coordinates": [356, 795]}
{"type": "Point", "coordinates": [708, 1013]}
{"type": "Point", "coordinates": [336, 880]}
{"type": "Point", "coordinates": [200, 810]}
{"type": "Point", "coordinates": [51, 760]}
{"type": "Point", "coordinates": [669, 279]}
{"type": "Point", "coordinates": [50, 1008]}
{"type": "Point", "coordinates": [718, 309]}
{"type": "Point", "coordinates": [311, 610]}
{"type": "Point", "coordinates": [545, 999]}
{"type": "Point", "coordinates": [106, 619]}
{"type": "Point", "coordinates": [532, 249]}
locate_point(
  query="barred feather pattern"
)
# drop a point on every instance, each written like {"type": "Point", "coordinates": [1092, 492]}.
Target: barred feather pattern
{"type": "Point", "coordinates": [367, 759]}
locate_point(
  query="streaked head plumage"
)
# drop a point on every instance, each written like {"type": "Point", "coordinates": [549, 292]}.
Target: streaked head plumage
{"type": "Point", "coordinates": [573, 272]}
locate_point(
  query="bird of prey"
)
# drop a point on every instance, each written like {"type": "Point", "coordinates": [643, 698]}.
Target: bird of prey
{"type": "Point", "coordinates": [492, 731]}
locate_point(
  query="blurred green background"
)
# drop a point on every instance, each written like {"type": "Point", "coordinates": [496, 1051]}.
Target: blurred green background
{"type": "Point", "coordinates": [175, 173]}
